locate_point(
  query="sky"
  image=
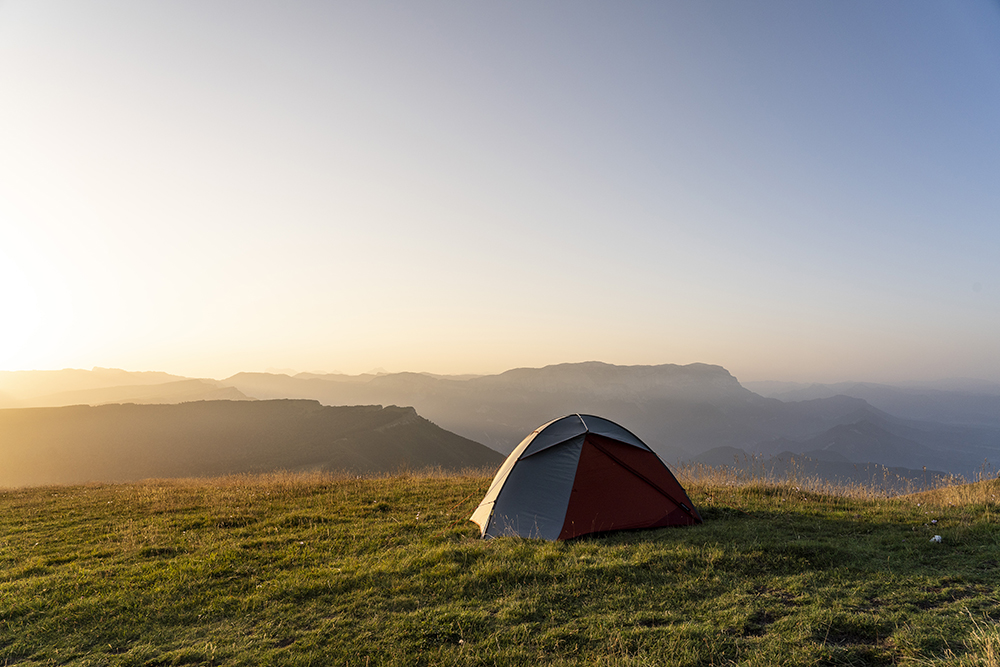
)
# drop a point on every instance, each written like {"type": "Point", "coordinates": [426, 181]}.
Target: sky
{"type": "Point", "coordinates": [796, 191]}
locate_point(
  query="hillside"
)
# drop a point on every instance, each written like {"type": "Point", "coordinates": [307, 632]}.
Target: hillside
{"type": "Point", "coordinates": [677, 410]}
{"type": "Point", "coordinates": [34, 389]}
{"type": "Point", "coordinates": [22, 388]}
{"type": "Point", "coordinates": [177, 391]}
{"type": "Point", "coordinates": [818, 466]}
{"type": "Point", "coordinates": [869, 440]}
{"type": "Point", "coordinates": [76, 444]}
{"type": "Point", "coordinates": [345, 571]}
{"type": "Point", "coordinates": [969, 402]}
{"type": "Point", "coordinates": [680, 411]}
{"type": "Point", "coordinates": [880, 439]}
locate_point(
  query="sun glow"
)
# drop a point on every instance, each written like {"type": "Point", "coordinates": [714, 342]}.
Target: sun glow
{"type": "Point", "coordinates": [20, 313]}
{"type": "Point", "coordinates": [206, 188]}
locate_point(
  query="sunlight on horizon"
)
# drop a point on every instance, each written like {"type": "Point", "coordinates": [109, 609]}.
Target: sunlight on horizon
{"type": "Point", "coordinates": [790, 191]}
{"type": "Point", "coordinates": [20, 313]}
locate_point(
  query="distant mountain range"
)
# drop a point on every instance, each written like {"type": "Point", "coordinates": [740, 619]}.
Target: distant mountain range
{"type": "Point", "coordinates": [76, 444]}
{"type": "Point", "coordinates": [677, 409]}
{"type": "Point", "coordinates": [682, 412]}
{"type": "Point", "coordinates": [38, 389]}
{"type": "Point", "coordinates": [968, 402]}
{"type": "Point", "coordinates": [788, 465]}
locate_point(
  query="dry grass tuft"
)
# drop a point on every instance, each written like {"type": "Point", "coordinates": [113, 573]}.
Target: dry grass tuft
{"type": "Point", "coordinates": [984, 642]}
{"type": "Point", "coordinates": [984, 492]}
{"type": "Point", "coordinates": [954, 490]}
{"type": "Point", "coordinates": [982, 648]}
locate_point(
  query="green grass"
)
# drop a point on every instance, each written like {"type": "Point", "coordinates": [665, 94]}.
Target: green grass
{"type": "Point", "coordinates": [290, 570]}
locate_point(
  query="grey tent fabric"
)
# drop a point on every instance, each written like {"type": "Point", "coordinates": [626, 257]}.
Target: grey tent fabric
{"type": "Point", "coordinates": [554, 433]}
{"type": "Point", "coordinates": [485, 511]}
{"type": "Point", "coordinates": [533, 502]}
{"type": "Point", "coordinates": [609, 429]}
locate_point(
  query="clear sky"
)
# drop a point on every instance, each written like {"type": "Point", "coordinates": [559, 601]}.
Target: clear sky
{"type": "Point", "coordinates": [793, 190]}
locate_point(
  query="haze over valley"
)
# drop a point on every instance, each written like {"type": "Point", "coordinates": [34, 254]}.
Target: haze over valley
{"type": "Point", "coordinates": [120, 443]}
{"type": "Point", "coordinates": [698, 413]}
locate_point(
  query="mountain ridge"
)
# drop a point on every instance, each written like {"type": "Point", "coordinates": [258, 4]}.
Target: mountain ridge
{"type": "Point", "coordinates": [128, 442]}
{"type": "Point", "coordinates": [678, 410]}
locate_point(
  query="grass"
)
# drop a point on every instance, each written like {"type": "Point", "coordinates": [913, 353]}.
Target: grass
{"type": "Point", "coordinates": [324, 570]}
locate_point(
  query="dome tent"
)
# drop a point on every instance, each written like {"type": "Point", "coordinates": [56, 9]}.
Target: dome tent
{"type": "Point", "coordinates": [579, 475]}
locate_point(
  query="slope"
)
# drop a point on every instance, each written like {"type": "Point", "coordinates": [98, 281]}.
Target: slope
{"type": "Point", "coordinates": [178, 391]}
{"type": "Point", "coordinates": [128, 442]}
{"type": "Point", "coordinates": [677, 410]}
{"type": "Point", "coordinates": [21, 388]}
{"type": "Point", "coordinates": [821, 466]}
{"type": "Point", "coordinates": [344, 571]}
{"type": "Point", "coordinates": [968, 403]}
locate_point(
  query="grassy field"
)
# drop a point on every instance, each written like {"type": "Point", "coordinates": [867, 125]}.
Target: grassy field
{"type": "Point", "coordinates": [290, 570]}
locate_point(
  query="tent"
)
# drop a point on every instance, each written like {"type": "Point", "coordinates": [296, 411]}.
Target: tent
{"type": "Point", "coordinates": [579, 475]}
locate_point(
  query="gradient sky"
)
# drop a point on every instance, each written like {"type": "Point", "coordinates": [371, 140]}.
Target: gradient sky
{"type": "Point", "coordinates": [794, 190]}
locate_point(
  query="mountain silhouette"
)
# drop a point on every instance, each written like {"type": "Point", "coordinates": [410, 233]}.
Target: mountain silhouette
{"type": "Point", "coordinates": [677, 410]}
{"type": "Point", "coordinates": [32, 389]}
{"type": "Point", "coordinates": [179, 391]}
{"type": "Point", "coordinates": [969, 402]}
{"type": "Point", "coordinates": [822, 466]}
{"type": "Point", "coordinates": [113, 443]}
{"type": "Point", "coordinates": [681, 411]}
